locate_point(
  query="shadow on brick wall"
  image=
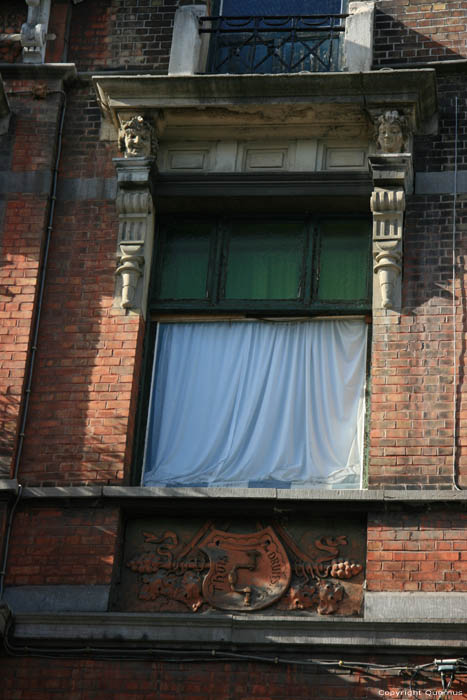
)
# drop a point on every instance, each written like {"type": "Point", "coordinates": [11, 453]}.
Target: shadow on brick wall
{"type": "Point", "coordinates": [82, 394]}
{"type": "Point", "coordinates": [395, 42]}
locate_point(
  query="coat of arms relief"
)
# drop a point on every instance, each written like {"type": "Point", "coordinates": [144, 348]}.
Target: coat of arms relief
{"type": "Point", "coordinates": [197, 567]}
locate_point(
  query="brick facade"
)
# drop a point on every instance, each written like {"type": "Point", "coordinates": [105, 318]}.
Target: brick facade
{"type": "Point", "coordinates": [86, 404]}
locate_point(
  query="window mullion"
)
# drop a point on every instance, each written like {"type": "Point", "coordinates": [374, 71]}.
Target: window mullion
{"type": "Point", "coordinates": [308, 263]}
{"type": "Point", "coordinates": [219, 261]}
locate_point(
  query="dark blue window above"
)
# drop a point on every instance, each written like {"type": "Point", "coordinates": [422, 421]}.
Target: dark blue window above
{"type": "Point", "coordinates": [275, 36]}
{"type": "Point", "coordinates": [234, 8]}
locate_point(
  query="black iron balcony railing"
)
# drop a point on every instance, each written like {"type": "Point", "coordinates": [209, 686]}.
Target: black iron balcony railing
{"type": "Point", "coordinates": [264, 44]}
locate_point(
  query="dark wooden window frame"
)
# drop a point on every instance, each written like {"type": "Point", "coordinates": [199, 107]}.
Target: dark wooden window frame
{"type": "Point", "coordinates": [215, 301]}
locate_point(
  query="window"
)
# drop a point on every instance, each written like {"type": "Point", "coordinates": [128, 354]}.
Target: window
{"type": "Point", "coordinates": [255, 392]}
{"type": "Point", "coordinates": [288, 264]}
{"type": "Point", "coordinates": [278, 36]}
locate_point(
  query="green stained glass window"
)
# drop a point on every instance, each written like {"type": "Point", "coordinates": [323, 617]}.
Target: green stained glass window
{"type": "Point", "coordinates": [265, 260]}
{"type": "Point", "coordinates": [185, 261]}
{"type": "Point", "coordinates": [293, 264]}
{"type": "Point", "coordinates": [343, 261]}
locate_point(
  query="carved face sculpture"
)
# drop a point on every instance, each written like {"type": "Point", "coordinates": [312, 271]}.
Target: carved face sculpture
{"type": "Point", "coordinates": [390, 134]}
{"type": "Point", "coordinates": [135, 139]}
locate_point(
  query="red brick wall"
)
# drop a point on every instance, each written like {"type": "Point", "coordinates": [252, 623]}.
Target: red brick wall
{"type": "Point", "coordinates": [417, 552]}
{"type": "Point", "coordinates": [12, 16]}
{"type": "Point", "coordinates": [60, 15]}
{"type": "Point", "coordinates": [85, 380]}
{"type": "Point", "coordinates": [126, 34]}
{"type": "Point", "coordinates": [55, 545]}
{"type": "Point", "coordinates": [419, 31]}
{"type": "Point", "coordinates": [412, 403]}
{"type": "Point", "coordinates": [79, 679]}
{"type": "Point", "coordinates": [24, 225]}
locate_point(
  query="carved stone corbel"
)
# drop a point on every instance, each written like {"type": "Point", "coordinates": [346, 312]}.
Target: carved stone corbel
{"type": "Point", "coordinates": [392, 174]}
{"type": "Point", "coordinates": [130, 269]}
{"type": "Point", "coordinates": [136, 230]}
{"type": "Point", "coordinates": [388, 207]}
{"type": "Point", "coordinates": [34, 31]}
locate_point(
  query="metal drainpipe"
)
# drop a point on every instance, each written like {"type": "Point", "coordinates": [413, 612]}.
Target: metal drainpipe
{"type": "Point", "coordinates": [33, 346]}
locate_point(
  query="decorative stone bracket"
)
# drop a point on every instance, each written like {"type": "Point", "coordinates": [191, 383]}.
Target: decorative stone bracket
{"type": "Point", "coordinates": [136, 230]}
{"type": "Point", "coordinates": [393, 178]}
{"type": "Point", "coordinates": [34, 31]}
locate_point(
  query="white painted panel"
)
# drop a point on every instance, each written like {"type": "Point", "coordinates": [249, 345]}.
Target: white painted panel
{"type": "Point", "coordinates": [266, 159]}
{"type": "Point", "coordinates": [188, 160]}
{"type": "Point", "coordinates": [306, 155]}
{"type": "Point", "coordinates": [226, 156]}
{"type": "Point", "coordinates": [345, 158]}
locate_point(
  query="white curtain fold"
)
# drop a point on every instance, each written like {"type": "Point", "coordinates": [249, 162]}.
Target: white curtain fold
{"type": "Point", "coordinates": [257, 403]}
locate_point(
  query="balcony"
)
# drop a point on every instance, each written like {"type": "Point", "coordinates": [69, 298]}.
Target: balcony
{"type": "Point", "coordinates": [255, 44]}
{"type": "Point", "coordinates": [272, 44]}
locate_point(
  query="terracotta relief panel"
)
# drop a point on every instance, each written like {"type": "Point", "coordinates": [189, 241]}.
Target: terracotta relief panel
{"type": "Point", "coordinates": [174, 565]}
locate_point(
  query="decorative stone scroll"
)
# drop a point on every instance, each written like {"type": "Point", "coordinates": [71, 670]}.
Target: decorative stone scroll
{"type": "Point", "coordinates": [388, 216]}
{"type": "Point", "coordinates": [197, 566]}
{"type": "Point", "coordinates": [34, 31]}
{"type": "Point", "coordinates": [392, 174]}
{"type": "Point", "coordinates": [136, 229]}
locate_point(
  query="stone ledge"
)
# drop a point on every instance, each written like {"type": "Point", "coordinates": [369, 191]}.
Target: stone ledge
{"type": "Point", "coordinates": [216, 631]}
{"type": "Point", "coordinates": [8, 486]}
{"type": "Point", "coordinates": [40, 71]}
{"type": "Point", "coordinates": [61, 492]}
{"type": "Point", "coordinates": [368, 497]}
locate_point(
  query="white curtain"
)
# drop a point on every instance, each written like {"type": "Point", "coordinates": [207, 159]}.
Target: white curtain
{"type": "Point", "coordinates": [257, 404]}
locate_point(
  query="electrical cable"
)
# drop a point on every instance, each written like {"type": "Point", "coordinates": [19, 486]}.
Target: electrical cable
{"type": "Point", "coordinates": [203, 655]}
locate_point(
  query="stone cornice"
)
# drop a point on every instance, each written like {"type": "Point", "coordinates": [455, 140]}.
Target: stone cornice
{"type": "Point", "coordinates": [179, 631]}
{"type": "Point", "coordinates": [312, 98]}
